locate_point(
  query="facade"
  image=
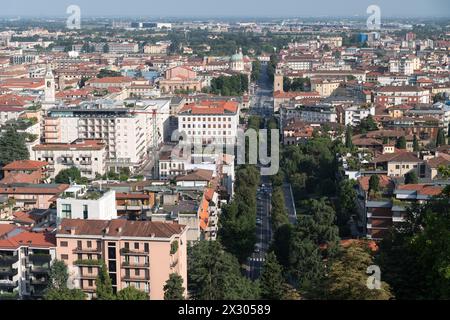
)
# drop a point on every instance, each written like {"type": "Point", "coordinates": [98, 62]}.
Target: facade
{"type": "Point", "coordinates": [355, 114]}
{"type": "Point", "coordinates": [89, 156]}
{"type": "Point", "coordinates": [324, 87]}
{"type": "Point", "coordinates": [27, 196]}
{"type": "Point", "coordinates": [396, 95]}
{"type": "Point", "coordinates": [25, 260]}
{"type": "Point", "coordinates": [208, 122]}
{"type": "Point", "coordinates": [137, 253]}
{"type": "Point", "coordinates": [26, 171]}
{"type": "Point", "coordinates": [77, 202]}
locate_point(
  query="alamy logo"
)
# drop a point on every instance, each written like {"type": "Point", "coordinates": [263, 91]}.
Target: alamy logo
{"type": "Point", "coordinates": [374, 20]}
{"type": "Point", "coordinates": [257, 147]}
{"type": "Point", "coordinates": [74, 20]}
{"type": "Point", "coordinates": [374, 280]}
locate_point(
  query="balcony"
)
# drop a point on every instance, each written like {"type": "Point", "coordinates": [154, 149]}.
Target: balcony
{"type": "Point", "coordinates": [8, 272]}
{"type": "Point", "coordinates": [39, 281]}
{"type": "Point", "coordinates": [129, 252]}
{"type": "Point", "coordinates": [40, 269]}
{"type": "Point", "coordinates": [6, 260]}
{"type": "Point", "coordinates": [128, 265]}
{"type": "Point", "coordinates": [87, 250]}
{"type": "Point", "coordinates": [136, 278]}
{"type": "Point", "coordinates": [4, 284]}
{"type": "Point", "coordinates": [39, 258]}
{"type": "Point", "coordinates": [88, 276]}
{"type": "Point", "coordinates": [88, 263]}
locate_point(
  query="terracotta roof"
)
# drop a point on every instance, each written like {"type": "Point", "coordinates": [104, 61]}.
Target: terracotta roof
{"type": "Point", "coordinates": [423, 189]}
{"type": "Point", "coordinates": [29, 239]}
{"type": "Point", "coordinates": [78, 145]}
{"type": "Point", "coordinates": [25, 165]}
{"type": "Point", "coordinates": [197, 175]}
{"type": "Point", "coordinates": [6, 228]}
{"type": "Point", "coordinates": [400, 89]}
{"type": "Point", "coordinates": [120, 228]}
{"type": "Point", "coordinates": [33, 188]}
{"type": "Point", "coordinates": [385, 182]}
{"type": "Point", "coordinates": [111, 80]}
{"type": "Point", "coordinates": [397, 157]}
{"type": "Point", "coordinates": [442, 160]}
{"type": "Point", "coordinates": [207, 107]}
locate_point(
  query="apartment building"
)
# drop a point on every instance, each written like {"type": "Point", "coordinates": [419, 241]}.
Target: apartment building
{"type": "Point", "coordinates": [27, 171]}
{"type": "Point", "coordinates": [25, 259]}
{"type": "Point", "coordinates": [404, 65]}
{"type": "Point", "coordinates": [354, 114]}
{"type": "Point", "coordinates": [395, 95]}
{"type": "Point", "coordinates": [324, 87]}
{"type": "Point", "coordinates": [208, 122]}
{"type": "Point", "coordinates": [322, 113]}
{"type": "Point", "coordinates": [89, 156]}
{"type": "Point", "coordinates": [79, 202]}
{"type": "Point", "coordinates": [27, 196]}
{"type": "Point", "coordinates": [137, 253]}
{"type": "Point", "coordinates": [126, 135]}
{"type": "Point", "coordinates": [398, 164]}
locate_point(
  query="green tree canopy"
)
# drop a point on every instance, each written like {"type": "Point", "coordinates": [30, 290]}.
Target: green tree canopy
{"type": "Point", "coordinates": [173, 289]}
{"type": "Point", "coordinates": [57, 285]}
{"type": "Point", "coordinates": [214, 274]}
{"type": "Point", "coordinates": [104, 289]}
{"type": "Point", "coordinates": [131, 293]}
{"type": "Point", "coordinates": [68, 176]}
{"type": "Point", "coordinates": [272, 282]}
{"type": "Point", "coordinates": [12, 146]}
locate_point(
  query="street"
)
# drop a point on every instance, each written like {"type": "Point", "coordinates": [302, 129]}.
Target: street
{"type": "Point", "coordinates": [262, 106]}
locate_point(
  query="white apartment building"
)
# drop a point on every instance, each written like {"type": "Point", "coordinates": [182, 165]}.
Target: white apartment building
{"type": "Point", "coordinates": [355, 114]}
{"type": "Point", "coordinates": [89, 156]}
{"type": "Point", "coordinates": [127, 131]}
{"type": "Point", "coordinates": [318, 113]}
{"type": "Point", "coordinates": [77, 202]}
{"type": "Point", "coordinates": [209, 122]}
{"type": "Point", "coordinates": [404, 65]}
{"type": "Point", "coordinates": [25, 260]}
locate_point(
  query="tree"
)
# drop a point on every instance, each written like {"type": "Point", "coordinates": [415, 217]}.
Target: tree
{"type": "Point", "coordinates": [411, 178]}
{"type": "Point", "coordinates": [12, 146]}
{"type": "Point", "coordinates": [68, 176]}
{"type": "Point", "coordinates": [347, 277]}
{"type": "Point", "coordinates": [272, 282]}
{"type": "Point", "coordinates": [374, 183]}
{"type": "Point", "coordinates": [346, 206]}
{"type": "Point", "coordinates": [415, 257]}
{"type": "Point", "coordinates": [279, 214]}
{"type": "Point", "coordinates": [104, 289]}
{"type": "Point", "coordinates": [416, 147]}
{"type": "Point", "coordinates": [57, 285]}
{"type": "Point", "coordinates": [440, 140]}
{"type": "Point", "coordinates": [214, 274]}
{"type": "Point", "coordinates": [173, 289]}
{"type": "Point", "coordinates": [348, 137]}
{"type": "Point", "coordinates": [401, 143]}
{"type": "Point", "coordinates": [131, 293]}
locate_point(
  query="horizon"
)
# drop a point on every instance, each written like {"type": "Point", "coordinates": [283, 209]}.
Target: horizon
{"type": "Point", "coordinates": [231, 9]}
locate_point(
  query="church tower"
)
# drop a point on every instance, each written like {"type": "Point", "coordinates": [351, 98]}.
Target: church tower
{"type": "Point", "coordinates": [49, 87]}
{"type": "Point", "coordinates": [278, 81]}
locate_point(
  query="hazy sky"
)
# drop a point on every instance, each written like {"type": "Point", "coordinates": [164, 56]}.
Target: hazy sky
{"type": "Point", "coordinates": [228, 8]}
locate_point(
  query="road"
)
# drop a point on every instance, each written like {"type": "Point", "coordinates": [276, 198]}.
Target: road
{"type": "Point", "coordinates": [262, 105]}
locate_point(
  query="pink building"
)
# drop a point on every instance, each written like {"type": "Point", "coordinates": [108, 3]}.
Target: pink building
{"type": "Point", "coordinates": [137, 253]}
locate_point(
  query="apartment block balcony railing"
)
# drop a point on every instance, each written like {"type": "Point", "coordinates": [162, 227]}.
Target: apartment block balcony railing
{"type": "Point", "coordinates": [40, 258]}
{"type": "Point", "coordinates": [40, 269]}
{"type": "Point", "coordinates": [97, 250]}
{"type": "Point", "coordinates": [87, 276]}
{"type": "Point", "coordinates": [130, 265]}
{"type": "Point", "coordinates": [130, 252]}
{"type": "Point", "coordinates": [136, 278]}
{"type": "Point", "coordinates": [4, 284]}
{"type": "Point", "coordinates": [88, 263]}
{"type": "Point", "coordinates": [6, 260]}
{"type": "Point", "coordinates": [8, 272]}
{"type": "Point", "coordinates": [38, 281]}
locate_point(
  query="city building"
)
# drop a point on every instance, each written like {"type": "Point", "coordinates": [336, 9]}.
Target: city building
{"type": "Point", "coordinates": [137, 253]}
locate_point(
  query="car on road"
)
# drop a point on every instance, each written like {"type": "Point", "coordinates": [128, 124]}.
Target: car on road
{"type": "Point", "coordinates": [258, 221]}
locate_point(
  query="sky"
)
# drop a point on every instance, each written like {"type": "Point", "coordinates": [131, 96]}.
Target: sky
{"type": "Point", "coordinates": [226, 8]}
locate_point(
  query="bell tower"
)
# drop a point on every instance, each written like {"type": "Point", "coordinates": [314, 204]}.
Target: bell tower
{"type": "Point", "coordinates": [278, 81]}
{"type": "Point", "coordinates": [49, 97]}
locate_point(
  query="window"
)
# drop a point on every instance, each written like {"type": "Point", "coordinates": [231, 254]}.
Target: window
{"type": "Point", "coordinates": [63, 244]}
{"type": "Point", "coordinates": [137, 272]}
{"type": "Point", "coordinates": [89, 244]}
{"type": "Point", "coordinates": [146, 247]}
{"type": "Point", "coordinates": [89, 269]}
{"type": "Point", "coordinates": [66, 211]}
{"type": "Point", "coordinates": [79, 244]}
{"type": "Point", "coordinates": [64, 257]}
{"type": "Point", "coordinates": [91, 282]}
{"type": "Point", "coordinates": [136, 245]}
{"type": "Point", "coordinates": [85, 212]}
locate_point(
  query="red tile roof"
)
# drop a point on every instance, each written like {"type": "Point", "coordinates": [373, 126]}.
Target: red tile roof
{"type": "Point", "coordinates": [29, 239]}
{"type": "Point", "coordinates": [25, 165]}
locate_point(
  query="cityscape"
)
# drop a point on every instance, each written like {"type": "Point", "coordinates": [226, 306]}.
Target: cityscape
{"type": "Point", "coordinates": [234, 153]}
